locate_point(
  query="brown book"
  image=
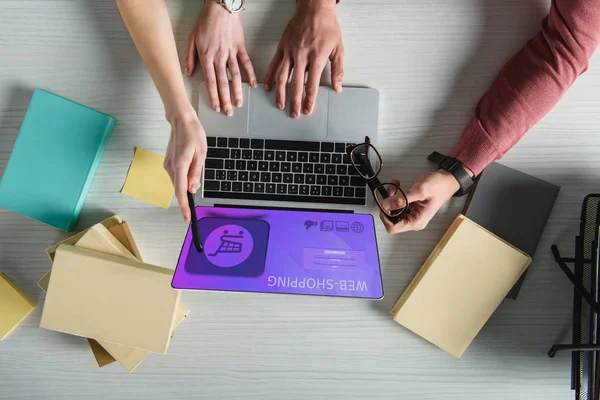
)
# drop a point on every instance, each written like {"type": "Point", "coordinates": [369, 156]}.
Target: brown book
{"type": "Point", "coordinates": [103, 357]}
{"type": "Point", "coordinates": [121, 232]}
{"type": "Point", "coordinates": [99, 238]}
{"type": "Point", "coordinates": [116, 226]}
{"type": "Point", "coordinates": [113, 299]}
{"type": "Point", "coordinates": [130, 358]}
{"type": "Point", "coordinates": [460, 285]}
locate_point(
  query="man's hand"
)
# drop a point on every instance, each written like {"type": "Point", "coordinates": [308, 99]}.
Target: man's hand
{"type": "Point", "coordinates": [425, 198]}
{"type": "Point", "coordinates": [186, 153]}
{"type": "Point", "coordinates": [218, 40]}
{"type": "Point", "coordinates": [311, 37]}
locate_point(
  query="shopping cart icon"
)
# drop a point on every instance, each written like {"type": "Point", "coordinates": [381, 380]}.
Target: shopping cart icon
{"type": "Point", "coordinates": [233, 247]}
{"type": "Point", "coordinates": [230, 244]}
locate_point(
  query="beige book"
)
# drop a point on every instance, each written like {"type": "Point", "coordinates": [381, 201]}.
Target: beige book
{"type": "Point", "coordinates": [99, 238]}
{"type": "Point", "coordinates": [460, 285]}
{"type": "Point", "coordinates": [14, 306]}
{"type": "Point", "coordinates": [116, 226]}
{"type": "Point", "coordinates": [108, 223]}
{"type": "Point", "coordinates": [120, 230]}
{"type": "Point", "coordinates": [129, 357]}
{"type": "Point", "coordinates": [112, 299]}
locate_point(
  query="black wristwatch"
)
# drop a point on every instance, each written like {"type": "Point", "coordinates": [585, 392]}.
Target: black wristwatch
{"type": "Point", "coordinates": [457, 170]}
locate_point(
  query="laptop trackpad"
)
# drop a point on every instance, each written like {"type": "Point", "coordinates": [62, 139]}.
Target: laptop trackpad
{"type": "Point", "coordinates": [217, 123]}
{"type": "Point", "coordinates": [265, 120]}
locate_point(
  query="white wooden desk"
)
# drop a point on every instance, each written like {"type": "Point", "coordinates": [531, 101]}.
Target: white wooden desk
{"type": "Point", "coordinates": [431, 61]}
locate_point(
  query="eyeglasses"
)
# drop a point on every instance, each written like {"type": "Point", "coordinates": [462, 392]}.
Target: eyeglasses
{"type": "Point", "coordinates": [367, 162]}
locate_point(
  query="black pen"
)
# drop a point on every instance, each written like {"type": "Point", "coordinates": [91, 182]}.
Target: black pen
{"type": "Point", "coordinates": [194, 222]}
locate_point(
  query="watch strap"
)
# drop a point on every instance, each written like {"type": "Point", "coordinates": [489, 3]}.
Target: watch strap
{"type": "Point", "coordinates": [455, 167]}
{"type": "Point", "coordinates": [222, 4]}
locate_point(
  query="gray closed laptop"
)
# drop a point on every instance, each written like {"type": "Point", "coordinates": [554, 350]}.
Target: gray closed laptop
{"type": "Point", "coordinates": [261, 154]}
{"type": "Point", "coordinates": [514, 206]}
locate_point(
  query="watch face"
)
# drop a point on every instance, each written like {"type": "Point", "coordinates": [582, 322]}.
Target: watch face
{"type": "Point", "coordinates": [235, 5]}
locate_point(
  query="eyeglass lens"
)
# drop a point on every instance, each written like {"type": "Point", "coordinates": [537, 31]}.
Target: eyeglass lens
{"type": "Point", "coordinates": [366, 160]}
{"type": "Point", "coordinates": [390, 198]}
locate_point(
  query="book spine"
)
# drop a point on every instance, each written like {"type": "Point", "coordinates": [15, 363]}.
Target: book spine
{"type": "Point", "coordinates": [91, 173]}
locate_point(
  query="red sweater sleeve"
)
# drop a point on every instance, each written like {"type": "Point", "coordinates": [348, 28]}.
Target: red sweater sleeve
{"type": "Point", "coordinates": [532, 82]}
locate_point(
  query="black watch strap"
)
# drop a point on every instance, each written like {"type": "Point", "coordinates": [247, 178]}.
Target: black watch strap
{"type": "Point", "coordinates": [457, 170]}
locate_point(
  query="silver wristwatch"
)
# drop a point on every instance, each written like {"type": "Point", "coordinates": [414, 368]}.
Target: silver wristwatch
{"type": "Point", "coordinates": [233, 6]}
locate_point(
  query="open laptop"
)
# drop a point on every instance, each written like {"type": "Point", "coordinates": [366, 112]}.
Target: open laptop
{"type": "Point", "coordinates": [262, 157]}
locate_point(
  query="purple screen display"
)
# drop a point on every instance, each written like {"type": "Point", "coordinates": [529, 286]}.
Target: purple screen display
{"type": "Point", "coordinates": [282, 251]}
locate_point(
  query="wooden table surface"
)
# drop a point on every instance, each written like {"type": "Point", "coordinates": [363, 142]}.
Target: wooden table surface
{"type": "Point", "coordinates": [431, 62]}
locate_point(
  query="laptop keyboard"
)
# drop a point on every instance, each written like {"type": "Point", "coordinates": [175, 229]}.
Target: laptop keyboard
{"type": "Point", "coordinates": [281, 170]}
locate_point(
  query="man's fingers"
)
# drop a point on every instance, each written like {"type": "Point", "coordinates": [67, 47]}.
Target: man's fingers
{"type": "Point", "coordinates": [406, 223]}
{"type": "Point", "coordinates": [181, 186]}
{"type": "Point", "coordinates": [395, 202]}
{"type": "Point", "coordinates": [236, 80]}
{"type": "Point", "coordinates": [210, 77]}
{"type": "Point", "coordinates": [312, 86]}
{"type": "Point", "coordinates": [402, 226]}
{"type": "Point", "coordinates": [415, 194]}
{"type": "Point", "coordinates": [297, 87]}
{"type": "Point", "coordinates": [392, 190]}
{"type": "Point", "coordinates": [337, 68]}
{"type": "Point", "coordinates": [190, 58]}
{"type": "Point", "coordinates": [247, 63]}
{"type": "Point", "coordinates": [283, 75]}
{"type": "Point", "coordinates": [273, 68]}
{"type": "Point", "coordinates": [223, 83]}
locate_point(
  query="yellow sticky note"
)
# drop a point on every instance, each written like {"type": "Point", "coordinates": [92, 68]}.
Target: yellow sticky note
{"type": "Point", "coordinates": [14, 306]}
{"type": "Point", "coordinates": [147, 180]}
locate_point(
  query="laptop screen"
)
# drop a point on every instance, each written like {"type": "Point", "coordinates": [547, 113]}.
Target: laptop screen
{"type": "Point", "coordinates": [282, 251]}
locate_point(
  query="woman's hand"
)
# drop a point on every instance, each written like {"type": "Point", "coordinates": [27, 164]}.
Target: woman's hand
{"type": "Point", "coordinates": [425, 198]}
{"type": "Point", "coordinates": [184, 159]}
{"type": "Point", "coordinates": [311, 37]}
{"type": "Point", "coordinates": [218, 40]}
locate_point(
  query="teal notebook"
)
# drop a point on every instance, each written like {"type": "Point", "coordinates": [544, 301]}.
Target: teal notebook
{"type": "Point", "coordinates": [54, 160]}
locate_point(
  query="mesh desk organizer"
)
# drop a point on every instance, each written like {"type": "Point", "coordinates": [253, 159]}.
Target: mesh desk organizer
{"type": "Point", "coordinates": [586, 309]}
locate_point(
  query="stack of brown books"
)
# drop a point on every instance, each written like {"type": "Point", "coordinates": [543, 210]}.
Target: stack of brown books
{"type": "Point", "coordinates": [100, 289]}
